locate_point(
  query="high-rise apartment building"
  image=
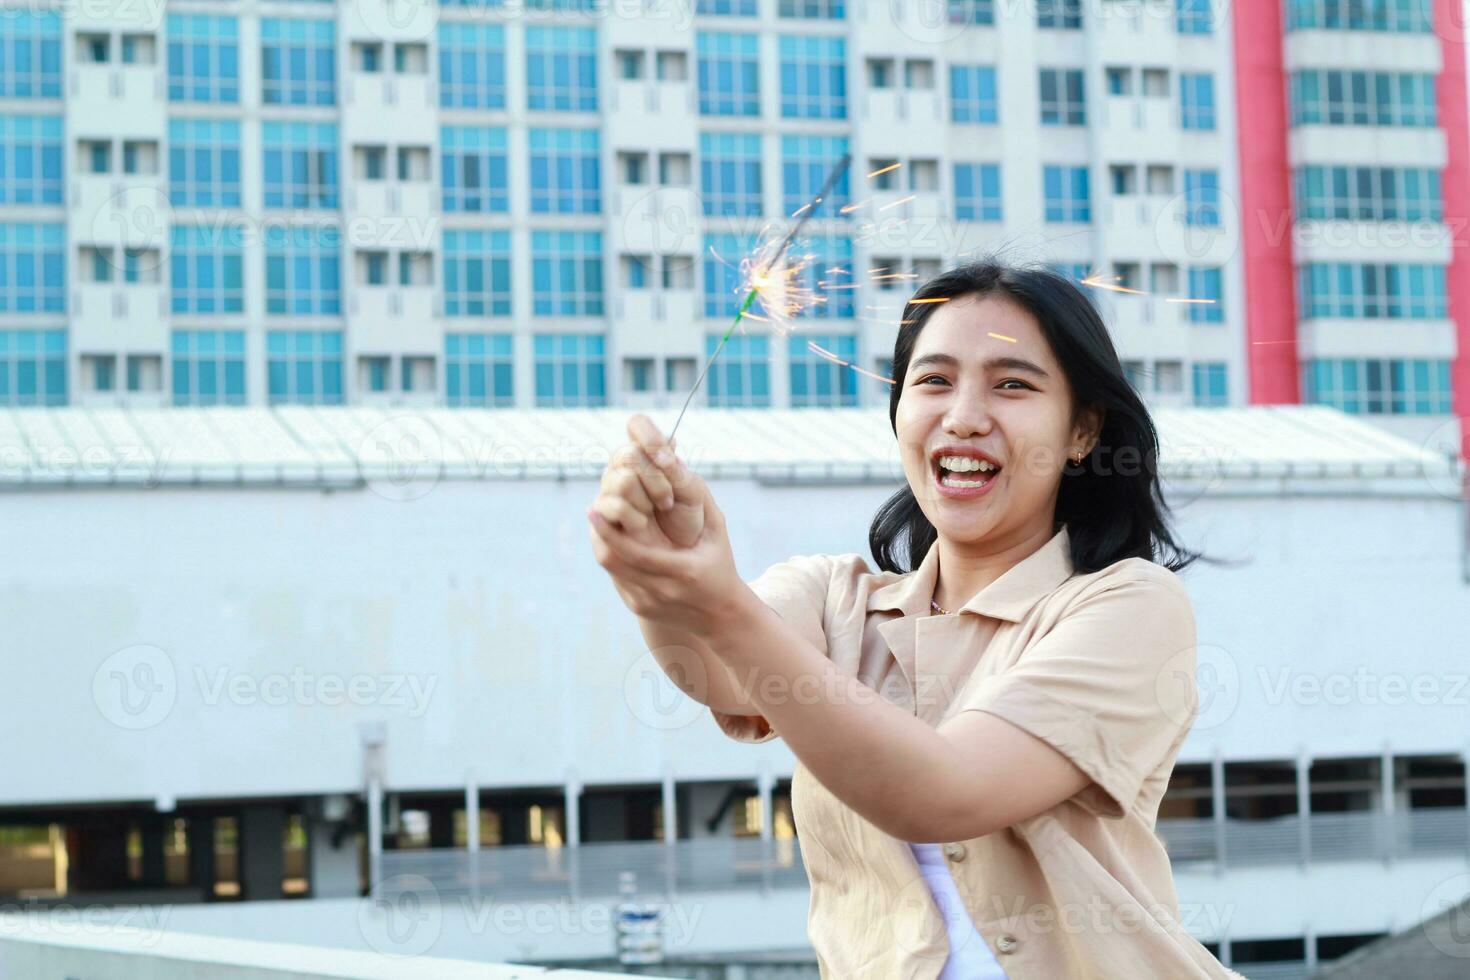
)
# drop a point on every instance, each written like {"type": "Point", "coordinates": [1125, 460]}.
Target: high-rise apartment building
{"type": "Point", "coordinates": [545, 203]}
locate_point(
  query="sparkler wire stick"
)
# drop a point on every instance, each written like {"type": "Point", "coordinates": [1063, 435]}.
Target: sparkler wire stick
{"type": "Point", "coordinates": [827, 186]}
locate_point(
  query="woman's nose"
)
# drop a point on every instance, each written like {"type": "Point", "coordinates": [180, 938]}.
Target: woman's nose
{"type": "Point", "coordinates": [967, 417]}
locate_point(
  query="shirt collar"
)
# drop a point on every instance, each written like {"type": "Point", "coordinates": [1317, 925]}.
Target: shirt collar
{"type": "Point", "coordinates": [1008, 597]}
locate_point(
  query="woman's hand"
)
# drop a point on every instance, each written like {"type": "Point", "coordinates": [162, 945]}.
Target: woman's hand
{"type": "Point", "coordinates": [657, 531]}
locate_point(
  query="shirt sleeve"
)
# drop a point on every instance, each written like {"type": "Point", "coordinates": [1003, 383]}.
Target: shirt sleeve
{"type": "Point", "coordinates": [797, 590]}
{"type": "Point", "coordinates": [1111, 686]}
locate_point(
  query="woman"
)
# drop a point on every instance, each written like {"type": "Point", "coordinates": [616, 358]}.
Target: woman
{"type": "Point", "coordinates": [1013, 683]}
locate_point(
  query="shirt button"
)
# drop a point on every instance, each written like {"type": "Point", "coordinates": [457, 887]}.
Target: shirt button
{"type": "Point", "coordinates": [1007, 943]}
{"type": "Point", "coordinates": [954, 851]}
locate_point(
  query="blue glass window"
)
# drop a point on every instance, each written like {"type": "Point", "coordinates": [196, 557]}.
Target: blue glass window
{"type": "Point", "coordinates": [571, 370]}
{"type": "Point", "coordinates": [1362, 290]}
{"type": "Point", "coordinates": [471, 66]}
{"type": "Point", "coordinates": [1066, 193]}
{"type": "Point", "coordinates": [1196, 100]}
{"type": "Point", "coordinates": [1202, 197]}
{"type": "Point", "coordinates": [1392, 386]}
{"type": "Point", "coordinates": [813, 77]}
{"type": "Point", "coordinates": [1063, 98]}
{"type": "Point", "coordinates": [805, 163]}
{"type": "Point", "coordinates": [726, 8]}
{"type": "Point", "coordinates": [1369, 193]}
{"type": "Point", "coordinates": [566, 273]}
{"type": "Point", "coordinates": [206, 269]}
{"type": "Point", "coordinates": [479, 370]}
{"type": "Point", "coordinates": [304, 367]}
{"type": "Point", "coordinates": [32, 268]}
{"type": "Point", "coordinates": [728, 74]}
{"type": "Point", "coordinates": [722, 280]}
{"type": "Point", "coordinates": [811, 9]}
{"type": "Point", "coordinates": [1193, 17]}
{"type": "Point", "coordinates": [300, 164]}
{"type": "Point", "coordinates": [1339, 97]}
{"type": "Point", "coordinates": [32, 367]}
{"type": "Point", "coordinates": [828, 275]}
{"type": "Point", "coordinates": [298, 62]}
{"type": "Point", "coordinates": [476, 273]}
{"type": "Point", "coordinates": [204, 163]}
{"type": "Point", "coordinates": [1205, 284]}
{"type": "Point", "coordinates": [1209, 385]}
{"type": "Point", "coordinates": [730, 173]}
{"type": "Point", "coordinates": [30, 54]}
{"type": "Point", "coordinates": [208, 367]}
{"type": "Point", "coordinates": [1401, 16]}
{"type": "Point", "coordinates": [565, 171]}
{"type": "Point", "coordinates": [977, 192]}
{"type": "Point", "coordinates": [741, 376]}
{"type": "Point", "coordinates": [817, 381]}
{"type": "Point", "coordinates": [972, 94]}
{"type": "Point", "coordinates": [203, 58]}
{"type": "Point", "coordinates": [1059, 14]}
{"type": "Point", "coordinates": [970, 12]}
{"type": "Point", "coordinates": [303, 271]}
{"type": "Point", "coordinates": [474, 169]}
{"type": "Point", "coordinates": [561, 68]}
{"type": "Point", "coordinates": [30, 159]}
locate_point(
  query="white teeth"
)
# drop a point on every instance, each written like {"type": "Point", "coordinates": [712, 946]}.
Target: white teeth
{"type": "Point", "coordinates": [954, 481]}
{"type": "Point", "coordinates": [965, 464]}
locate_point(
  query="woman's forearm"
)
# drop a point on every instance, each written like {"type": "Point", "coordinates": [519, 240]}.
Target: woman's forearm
{"type": "Point", "coordinates": [872, 754]}
{"type": "Point", "coordinates": [693, 667]}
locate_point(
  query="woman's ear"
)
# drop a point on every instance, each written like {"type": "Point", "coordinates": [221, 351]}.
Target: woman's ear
{"type": "Point", "coordinates": [1088, 429]}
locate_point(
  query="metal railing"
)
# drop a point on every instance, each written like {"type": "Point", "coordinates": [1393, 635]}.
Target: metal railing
{"type": "Point", "coordinates": [591, 870]}
{"type": "Point", "coordinates": [721, 864]}
{"type": "Point", "coordinates": [1370, 835]}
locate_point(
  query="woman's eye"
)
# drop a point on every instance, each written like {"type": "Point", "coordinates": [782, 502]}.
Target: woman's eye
{"type": "Point", "coordinates": [930, 377]}
{"type": "Point", "coordinates": [1014, 381]}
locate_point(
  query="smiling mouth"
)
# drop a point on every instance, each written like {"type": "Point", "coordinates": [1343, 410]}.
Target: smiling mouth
{"type": "Point", "coordinates": [966, 479]}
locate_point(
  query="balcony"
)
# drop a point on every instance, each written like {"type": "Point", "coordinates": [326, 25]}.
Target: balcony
{"type": "Point", "coordinates": [380, 316]}
{"type": "Point", "coordinates": [119, 100]}
{"type": "Point", "coordinates": [103, 311]}
{"type": "Point", "coordinates": [634, 103]}
{"type": "Point", "coordinates": [912, 119]}
{"type": "Point", "coordinates": [661, 221]}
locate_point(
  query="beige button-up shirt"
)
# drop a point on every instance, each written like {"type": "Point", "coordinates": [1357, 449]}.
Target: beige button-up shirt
{"type": "Point", "coordinates": [1101, 667]}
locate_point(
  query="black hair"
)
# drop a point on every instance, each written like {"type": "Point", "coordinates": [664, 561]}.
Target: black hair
{"type": "Point", "coordinates": [1113, 508]}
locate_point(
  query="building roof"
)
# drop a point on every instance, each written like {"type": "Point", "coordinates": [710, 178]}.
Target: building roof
{"type": "Point", "coordinates": [346, 446]}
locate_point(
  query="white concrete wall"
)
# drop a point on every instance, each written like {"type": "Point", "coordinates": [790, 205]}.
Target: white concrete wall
{"type": "Point", "coordinates": [475, 624]}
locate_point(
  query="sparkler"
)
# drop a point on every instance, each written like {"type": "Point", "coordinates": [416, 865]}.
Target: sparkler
{"type": "Point", "coordinates": [760, 277]}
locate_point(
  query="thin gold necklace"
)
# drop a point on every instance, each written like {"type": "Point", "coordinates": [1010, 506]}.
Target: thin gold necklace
{"type": "Point", "coordinates": [938, 608]}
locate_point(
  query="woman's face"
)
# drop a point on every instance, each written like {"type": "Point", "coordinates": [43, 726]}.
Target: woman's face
{"type": "Point", "coordinates": [982, 380]}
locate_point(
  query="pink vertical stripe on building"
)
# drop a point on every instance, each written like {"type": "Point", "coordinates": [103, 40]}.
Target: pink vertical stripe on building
{"type": "Point", "coordinates": [1265, 203]}
{"type": "Point", "coordinates": [1450, 98]}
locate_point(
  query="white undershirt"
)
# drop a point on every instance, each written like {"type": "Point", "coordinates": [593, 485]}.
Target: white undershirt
{"type": "Point", "coordinates": [970, 957]}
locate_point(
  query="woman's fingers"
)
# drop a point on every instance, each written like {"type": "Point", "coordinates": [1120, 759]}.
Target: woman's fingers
{"type": "Point", "coordinates": [621, 481]}
{"type": "Point", "coordinates": [655, 457]}
{"type": "Point", "coordinates": [618, 510]}
{"type": "Point", "coordinates": [641, 558]}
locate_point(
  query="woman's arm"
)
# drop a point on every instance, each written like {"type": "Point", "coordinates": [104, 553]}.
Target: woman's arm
{"type": "Point", "coordinates": [693, 667]}
{"type": "Point", "coordinates": [976, 774]}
